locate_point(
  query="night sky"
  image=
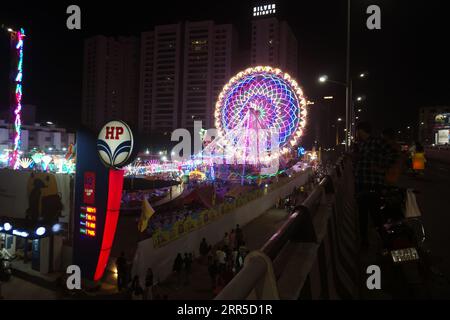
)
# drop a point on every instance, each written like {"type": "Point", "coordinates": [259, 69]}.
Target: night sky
{"type": "Point", "coordinates": [408, 59]}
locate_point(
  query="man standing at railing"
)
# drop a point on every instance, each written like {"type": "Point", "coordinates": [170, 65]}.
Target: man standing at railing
{"type": "Point", "coordinates": [371, 161]}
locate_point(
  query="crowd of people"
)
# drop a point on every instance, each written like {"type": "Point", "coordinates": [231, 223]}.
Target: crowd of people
{"type": "Point", "coordinates": [223, 260]}
{"type": "Point", "coordinates": [226, 260]}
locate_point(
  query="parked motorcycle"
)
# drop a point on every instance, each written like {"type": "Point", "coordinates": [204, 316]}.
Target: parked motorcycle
{"type": "Point", "coordinates": [403, 247]}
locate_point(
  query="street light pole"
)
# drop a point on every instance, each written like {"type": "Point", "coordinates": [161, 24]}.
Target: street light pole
{"type": "Point", "coordinates": [348, 82]}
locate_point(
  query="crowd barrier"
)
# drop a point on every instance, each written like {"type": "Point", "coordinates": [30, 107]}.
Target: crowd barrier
{"type": "Point", "coordinates": [313, 255]}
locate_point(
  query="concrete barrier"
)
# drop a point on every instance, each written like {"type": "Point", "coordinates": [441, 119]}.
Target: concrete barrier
{"type": "Point", "coordinates": [161, 259]}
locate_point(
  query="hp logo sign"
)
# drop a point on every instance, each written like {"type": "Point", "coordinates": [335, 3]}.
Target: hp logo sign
{"type": "Point", "coordinates": [115, 143]}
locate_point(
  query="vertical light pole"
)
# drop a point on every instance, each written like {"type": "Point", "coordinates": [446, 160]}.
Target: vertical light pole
{"type": "Point", "coordinates": [348, 82]}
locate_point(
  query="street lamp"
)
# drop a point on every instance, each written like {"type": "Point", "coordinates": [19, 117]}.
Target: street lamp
{"type": "Point", "coordinates": [349, 112]}
{"type": "Point", "coordinates": [323, 79]}
{"type": "Point", "coordinates": [337, 130]}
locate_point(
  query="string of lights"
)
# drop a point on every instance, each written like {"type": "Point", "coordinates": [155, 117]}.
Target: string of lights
{"type": "Point", "coordinates": [271, 102]}
{"type": "Point", "coordinates": [18, 37]}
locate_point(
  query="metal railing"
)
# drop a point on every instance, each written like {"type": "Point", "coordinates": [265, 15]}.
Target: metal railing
{"type": "Point", "coordinates": [309, 245]}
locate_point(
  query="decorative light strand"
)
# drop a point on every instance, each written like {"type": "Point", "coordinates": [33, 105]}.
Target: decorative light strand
{"type": "Point", "coordinates": [14, 160]}
{"type": "Point", "coordinates": [272, 98]}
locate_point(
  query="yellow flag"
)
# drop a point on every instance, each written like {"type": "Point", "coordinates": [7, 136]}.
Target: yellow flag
{"type": "Point", "coordinates": [146, 213]}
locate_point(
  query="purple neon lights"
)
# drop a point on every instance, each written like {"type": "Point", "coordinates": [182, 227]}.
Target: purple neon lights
{"type": "Point", "coordinates": [270, 96]}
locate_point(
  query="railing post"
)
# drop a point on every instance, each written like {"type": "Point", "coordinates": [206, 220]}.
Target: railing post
{"type": "Point", "coordinates": [266, 288]}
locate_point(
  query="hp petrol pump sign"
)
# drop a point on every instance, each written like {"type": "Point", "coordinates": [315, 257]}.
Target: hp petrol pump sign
{"type": "Point", "coordinates": [115, 143]}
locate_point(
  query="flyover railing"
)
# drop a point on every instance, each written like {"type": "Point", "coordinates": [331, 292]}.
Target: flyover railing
{"type": "Point", "coordinates": [313, 255]}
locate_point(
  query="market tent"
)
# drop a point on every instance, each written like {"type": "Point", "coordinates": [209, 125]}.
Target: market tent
{"type": "Point", "coordinates": [203, 195]}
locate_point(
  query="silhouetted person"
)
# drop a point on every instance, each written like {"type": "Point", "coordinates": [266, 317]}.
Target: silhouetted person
{"type": "Point", "coordinates": [178, 267]}
{"type": "Point", "coordinates": [371, 162]}
{"type": "Point", "coordinates": [203, 248]}
{"type": "Point", "coordinates": [34, 199]}
{"type": "Point", "coordinates": [121, 265]}
{"type": "Point", "coordinates": [148, 294]}
{"type": "Point", "coordinates": [136, 288]}
{"type": "Point", "coordinates": [226, 240]}
{"type": "Point", "coordinates": [418, 159]}
{"type": "Point", "coordinates": [394, 157]}
{"type": "Point", "coordinates": [239, 236]}
{"type": "Point", "coordinates": [187, 267]}
{"type": "Point", "coordinates": [213, 270]}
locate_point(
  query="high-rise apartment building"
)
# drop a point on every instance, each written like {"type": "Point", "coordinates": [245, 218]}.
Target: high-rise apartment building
{"type": "Point", "coordinates": [169, 79]}
{"type": "Point", "coordinates": [183, 68]}
{"type": "Point", "coordinates": [208, 58]}
{"type": "Point", "coordinates": [110, 80]}
{"type": "Point", "coordinates": [160, 78]}
{"type": "Point", "coordinates": [273, 43]}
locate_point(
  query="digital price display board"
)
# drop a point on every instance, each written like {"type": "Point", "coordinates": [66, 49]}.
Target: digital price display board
{"type": "Point", "coordinates": [88, 219]}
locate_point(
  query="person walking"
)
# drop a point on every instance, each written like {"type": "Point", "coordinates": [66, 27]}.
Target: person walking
{"type": "Point", "coordinates": [396, 160]}
{"type": "Point", "coordinates": [232, 239]}
{"type": "Point", "coordinates": [177, 268]}
{"type": "Point", "coordinates": [418, 159]}
{"type": "Point", "coordinates": [239, 236]}
{"type": "Point", "coordinates": [226, 240]}
{"type": "Point", "coordinates": [213, 271]}
{"type": "Point", "coordinates": [121, 265]}
{"type": "Point", "coordinates": [187, 267]}
{"type": "Point", "coordinates": [148, 293]}
{"type": "Point", "coordinates": [204, 250]}
{"type": "Point", "coordinates": [136, 289]}
{"type": "Point", "coordinates": [221, 257]}
{"type": "Point", "coordinates": [239, 261]}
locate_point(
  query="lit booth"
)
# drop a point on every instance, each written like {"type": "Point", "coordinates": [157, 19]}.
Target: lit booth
{"type": "Point", "coordinates": [34, 218]}
{"type": "Point", "coordinates": [39, 245]}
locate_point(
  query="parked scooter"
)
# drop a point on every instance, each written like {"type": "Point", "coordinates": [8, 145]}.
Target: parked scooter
{"type": "Point", "coordinates": [403, 246]}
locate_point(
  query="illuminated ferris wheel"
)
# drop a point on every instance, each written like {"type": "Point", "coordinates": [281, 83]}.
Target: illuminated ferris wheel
{"type": "Point", "coordinates": [260, 114]}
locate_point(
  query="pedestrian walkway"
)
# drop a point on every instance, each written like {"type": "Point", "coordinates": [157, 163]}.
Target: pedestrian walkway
{"type": "Point", "coordinates": [256, 233]}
